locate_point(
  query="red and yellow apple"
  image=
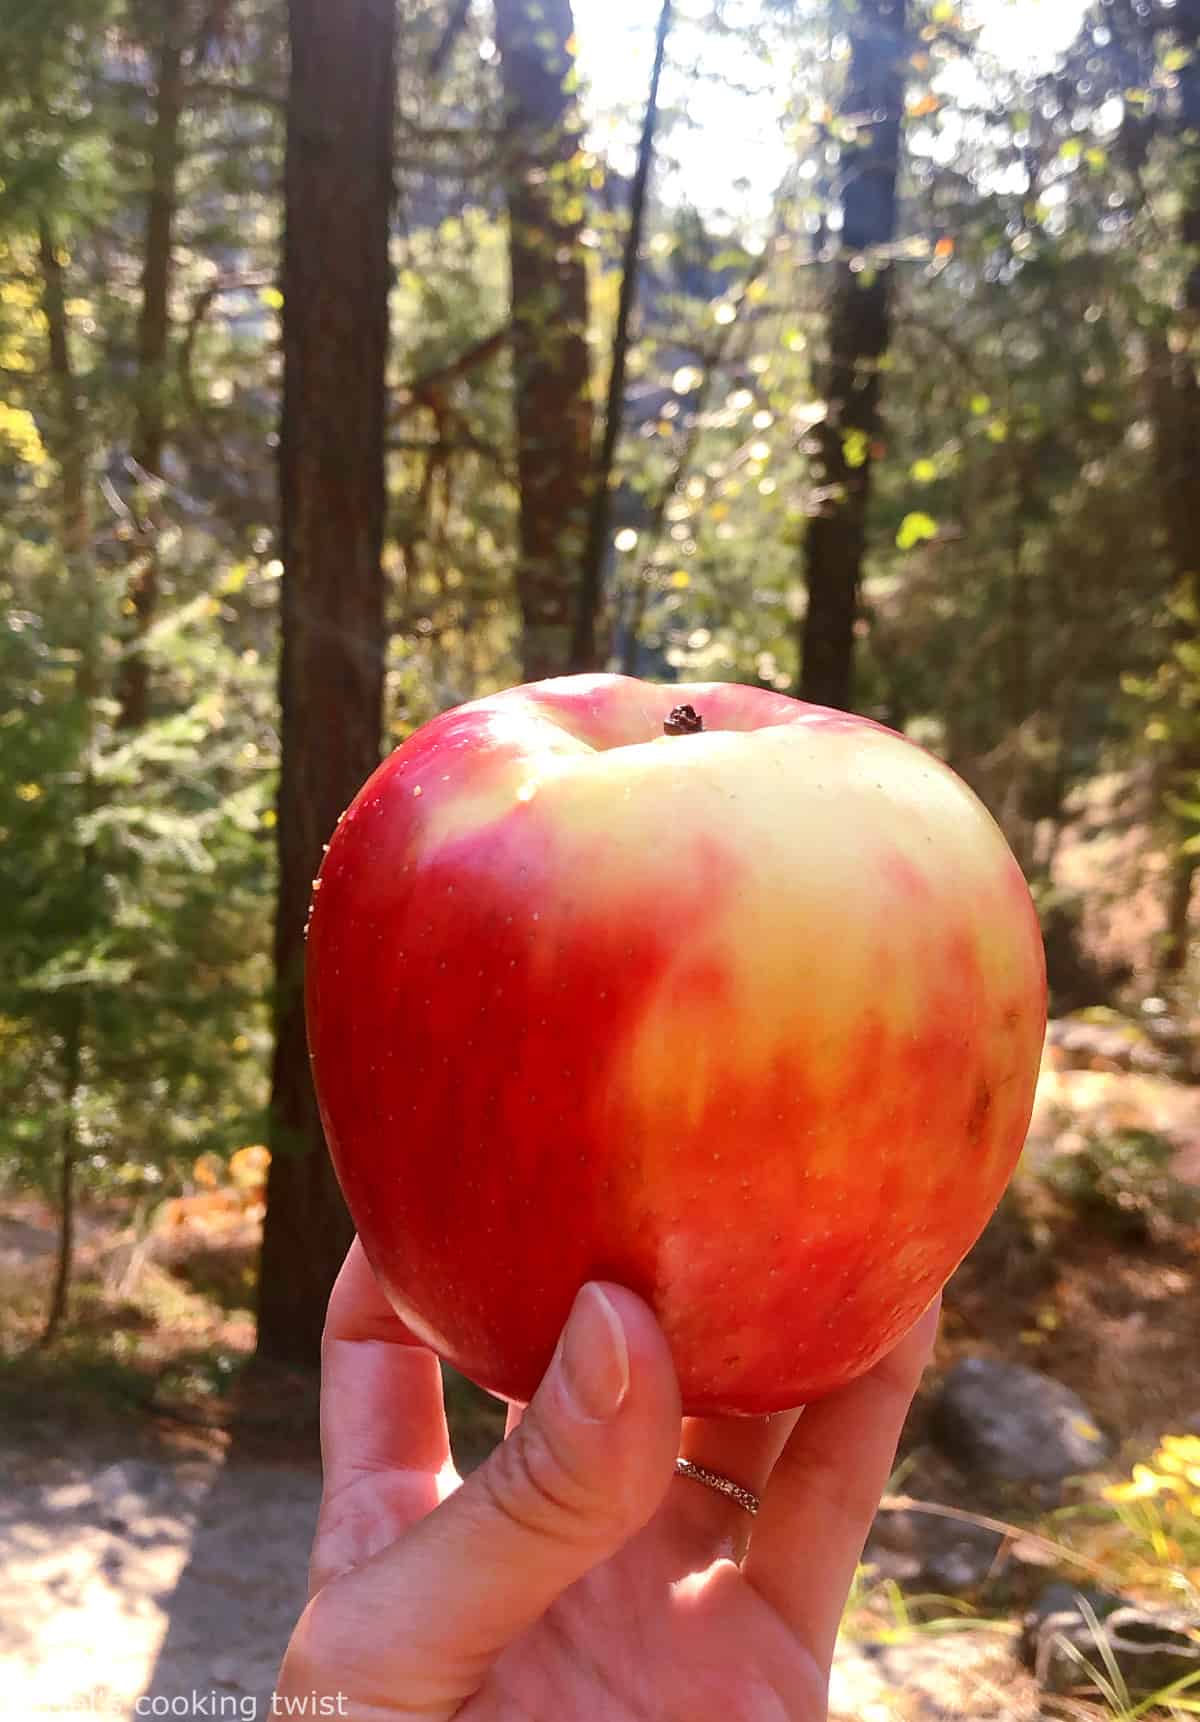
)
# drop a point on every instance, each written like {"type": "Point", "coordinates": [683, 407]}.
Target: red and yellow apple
{"type": "Point", "coordinates": [747, 1019]}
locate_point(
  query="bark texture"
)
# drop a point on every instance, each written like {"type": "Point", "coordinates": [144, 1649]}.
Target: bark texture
{"type": "Point", "coordinates": [859, 329]}
{"type": "Point", "coordinates": [586, 650]}
{"type": "Point", "coordinates": [70, 447]}
{"type": "Point", "coordinates": [1176, 375]}
{"type": "Point", "coordinates": [545, 183]}
{"type": "Point", "coordinates": [153, 347]}
{"type": "Point", "coordinates": [338, 191]}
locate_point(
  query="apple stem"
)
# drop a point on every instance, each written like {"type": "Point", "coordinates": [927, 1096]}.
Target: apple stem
{"type": "Point", "coordinates": [684, 720]}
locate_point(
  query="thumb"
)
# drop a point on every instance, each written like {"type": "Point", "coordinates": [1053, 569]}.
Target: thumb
{"type": "Point", "coordinates": [587, 1466]}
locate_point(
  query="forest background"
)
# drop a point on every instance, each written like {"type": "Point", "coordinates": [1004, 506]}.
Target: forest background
{"type": "Point", "coordinates": [357, 361]}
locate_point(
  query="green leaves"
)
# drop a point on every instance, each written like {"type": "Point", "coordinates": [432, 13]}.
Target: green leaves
{"type": "Point", "coordinates": [135, 872]}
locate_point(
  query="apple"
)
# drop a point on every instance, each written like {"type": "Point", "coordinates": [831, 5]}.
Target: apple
{"type": "Point", "coordinates": [732, 999]}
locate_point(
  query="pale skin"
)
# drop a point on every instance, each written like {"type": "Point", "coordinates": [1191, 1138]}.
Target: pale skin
{"type": "Point", "coordinates": [574, 1577]}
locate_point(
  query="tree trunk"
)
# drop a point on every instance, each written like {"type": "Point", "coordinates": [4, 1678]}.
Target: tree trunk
{"type": "Point", "coordinates": [149, 428]}
{"type": "Point", "coordinates": [70, 442]}
{"type": "Point", "coordinates": [70, 448]}
{"type": "Point", "coordinates": [338, 191]}
{"type": "Point", "coordinates": [1187, 28]}
{"type": "Point", "coordinates": [859, 328]}
{"type": "Point", "coordinates": [1176, 407]}
{"type": "Point", "coordinates": [585, 648]}
{"type": "Point", "coordinates": [1173, 955]}
{"type": "Point", "coordinates": [1013, 811]}
{"type": "Point", "coordinates": [68, 1155]}
{"type": "Point", "coordinates": [1176, 402]}
{"type": "Point", "coordinates": [545, 184]}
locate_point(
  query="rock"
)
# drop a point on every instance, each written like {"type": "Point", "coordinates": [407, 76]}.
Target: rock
{"type": "Point", "coordinates": [931, 1677]}
{"type": "Point", "coordinates": [1152, 1647]}
{"type": "Point", "coordinates": [1011, 1424]}
{"type": "Point", "coordinates": [68, 1497]}
{"type": "Point", "coordinates": [948, 1556]}
{"type": "Point", "coordinates": [1060, 1598]}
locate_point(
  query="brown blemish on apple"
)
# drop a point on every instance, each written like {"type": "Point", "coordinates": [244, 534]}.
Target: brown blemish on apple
{"type": "Point", "coordinates": [981, 1110]}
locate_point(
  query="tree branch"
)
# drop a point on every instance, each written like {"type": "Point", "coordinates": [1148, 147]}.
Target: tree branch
{"type": "Point", "coordinates": [455, 24]}
{"type": "Point", "coordinates": [462, 442]}
{"type": "Point", "coordinates": [583, 643]}
{"type": "Point", "coordinates": [417, 392]}
{"type": "Point", "coordinates": [201, 305]}
{"type": "Point", "coordinates": [257, 95]}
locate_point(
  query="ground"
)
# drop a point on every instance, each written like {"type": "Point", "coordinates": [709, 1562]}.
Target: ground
{"type": "Point", "coordinates": [161, 1489]}
{"type": "Point", "coordinates": [186, 1580]}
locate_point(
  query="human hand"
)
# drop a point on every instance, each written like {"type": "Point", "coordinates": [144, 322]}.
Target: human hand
{"type": "Point", "coordinates": [575, 1577]}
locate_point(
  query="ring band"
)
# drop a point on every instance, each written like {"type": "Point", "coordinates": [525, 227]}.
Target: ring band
{"type": "Point", "coordinates": [744, 1498]}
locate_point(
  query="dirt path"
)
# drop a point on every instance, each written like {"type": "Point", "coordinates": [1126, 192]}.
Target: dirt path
{"type": "Point", "coordinates": [179, 1580]}
{"type": "Point", "coordinates": [144, 1577]}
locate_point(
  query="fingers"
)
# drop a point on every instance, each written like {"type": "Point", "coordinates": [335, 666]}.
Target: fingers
{"type": "Point", "coordinates": [745, 1450]}
{"type": "Point", "coordinates": [384, 1443]}
{"type": "Point", "coordinates": [586, 1467]}
{"type": "Point", "coordinates": [381, 1399]}
{"type": "Point", "coordinates": [825, 1491]}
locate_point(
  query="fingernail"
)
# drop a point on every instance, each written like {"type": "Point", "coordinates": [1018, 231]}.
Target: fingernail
{"type": "Point", "coordinates": [595, 1356]}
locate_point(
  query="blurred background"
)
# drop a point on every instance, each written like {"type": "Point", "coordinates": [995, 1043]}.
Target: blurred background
{"type": "Point", "coordinates": [358, 360]}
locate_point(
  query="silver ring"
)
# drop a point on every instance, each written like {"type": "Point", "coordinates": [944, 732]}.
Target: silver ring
{"type": "Point", "coordinates": [744, 1498]}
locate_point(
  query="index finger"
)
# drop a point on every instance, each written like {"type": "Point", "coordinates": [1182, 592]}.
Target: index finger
{"type": "Point", "coordinates": [825, 1491]}
{"type": "Point", "coordinates": [382, 1409]}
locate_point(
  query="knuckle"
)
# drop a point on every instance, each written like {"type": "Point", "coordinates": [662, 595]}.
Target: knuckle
{"type": "Point", "coordinates": [529, 1482]}
{"type": "Point", "coordinates": [851, 1499]}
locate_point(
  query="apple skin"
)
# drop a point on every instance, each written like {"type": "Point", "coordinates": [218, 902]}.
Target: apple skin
{"type": "Point", "coordinates": [748, 1020]}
